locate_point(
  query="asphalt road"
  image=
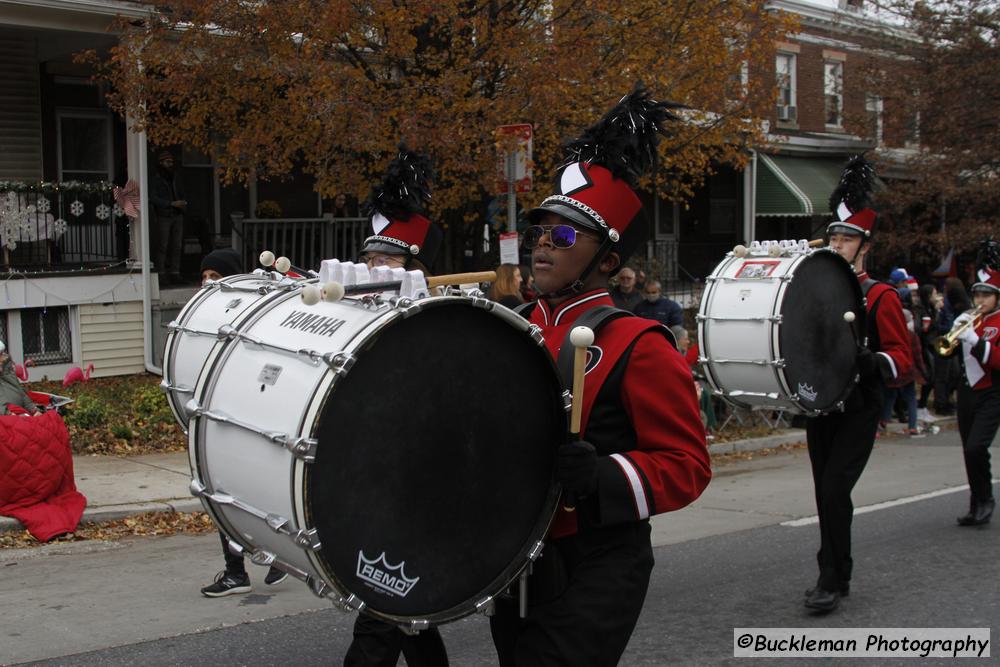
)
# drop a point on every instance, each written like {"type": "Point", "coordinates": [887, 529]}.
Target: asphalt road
{"type": "Point", "coordinates": [913, 568]}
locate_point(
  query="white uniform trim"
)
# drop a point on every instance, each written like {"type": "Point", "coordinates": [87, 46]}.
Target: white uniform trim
{"type": "Point", "coordinates": [641, 507]}
{"type": "Point", "coordinates": [986, 353]}
{"type": "Point", "coordinates": [892, 364]}
{"type": "Point", "coordinates": [573, 305]}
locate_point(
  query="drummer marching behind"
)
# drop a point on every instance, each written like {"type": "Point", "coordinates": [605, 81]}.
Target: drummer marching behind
{"type": "Point", "coordinates": [642, 448]}
{"type": "Point", "coordinates": [841, 442]}
{"type": "Point", "coordinates": [979, 395]}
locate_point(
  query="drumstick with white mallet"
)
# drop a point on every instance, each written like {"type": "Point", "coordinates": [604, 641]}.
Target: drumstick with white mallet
{"type": "Point", "coordinates": [333, 291]}
{"type": "Point", "coordinates": [581, 338]}
{"type": "Point", "coordinates": [281, 264]}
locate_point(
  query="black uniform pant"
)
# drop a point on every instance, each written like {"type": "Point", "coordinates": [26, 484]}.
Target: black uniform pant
{"type": "Point", "coordinates": [378, 644]}
{"type": "Point", "coordinates": [584, 598]}
{"type": "Point", "coordinates": [234, 562]}
{"type": "Point", "coordinates": [978, 420]}
{"type": "Point", "coordinates": [839, 447]}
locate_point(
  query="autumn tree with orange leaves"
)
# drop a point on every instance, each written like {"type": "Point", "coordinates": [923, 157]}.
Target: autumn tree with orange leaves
{"type": "Point", "coordinates": [333, 86]}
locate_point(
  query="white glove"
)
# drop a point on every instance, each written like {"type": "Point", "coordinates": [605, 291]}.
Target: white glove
{"type": "Point", "coordinates": [962, 319]}
{"type": "Point", "coordinates": [969, 337]}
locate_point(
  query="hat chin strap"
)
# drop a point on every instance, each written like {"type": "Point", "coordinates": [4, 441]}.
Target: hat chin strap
{"type": "Point", "coordinates": [577, 285]}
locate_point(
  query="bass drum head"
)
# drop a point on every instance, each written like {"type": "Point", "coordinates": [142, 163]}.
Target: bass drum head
{"type": "Point", "coordinates": [433, 472]}
{"type": "Point", "coordinates": [818, 346]}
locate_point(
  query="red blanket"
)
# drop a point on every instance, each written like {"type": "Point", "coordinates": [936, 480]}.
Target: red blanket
{"type": "Point", "coordinates": [36, 475]}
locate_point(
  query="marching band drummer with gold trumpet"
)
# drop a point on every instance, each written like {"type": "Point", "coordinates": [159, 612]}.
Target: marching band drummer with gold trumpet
{"type": "Point", "coordinates": [841, 442]}
{"type": "Point", "coordinates": [979, 395]}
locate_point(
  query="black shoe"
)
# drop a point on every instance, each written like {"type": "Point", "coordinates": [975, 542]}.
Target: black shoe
{"type": "Point", "coordinates": [978, 515]}
{"type": "Point", "coordinates": [845, 590]}
{"type": "Point", "coordinates": [227, 583]}
{"type": "Point", "coordinates": [823, 601]}
{"type": "Point", "coordinates": [274, 576]}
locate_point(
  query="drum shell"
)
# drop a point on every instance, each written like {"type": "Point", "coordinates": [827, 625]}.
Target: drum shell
{"type": "Point", "coordinates": [744, 333]}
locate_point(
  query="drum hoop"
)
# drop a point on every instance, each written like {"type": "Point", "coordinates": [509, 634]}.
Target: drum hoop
{"type": "Point", "coordinates": [536, 535]}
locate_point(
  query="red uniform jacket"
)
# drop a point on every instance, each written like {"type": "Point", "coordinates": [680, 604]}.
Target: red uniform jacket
{"type": "Point", "coordinates": [985, 351]}
{"type": "Point", "coordinates": [887, 333]}
{"type": "Point", "coordinates": [639, 411]}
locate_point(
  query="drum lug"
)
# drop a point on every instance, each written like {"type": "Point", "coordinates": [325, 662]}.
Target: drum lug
{"type": "Point", "coordinates": [261, 557]}
{"type": "Point", "coordinates": [307, 539]}
{"type": "Point", "coordinates": [339, 362]}
{"type": "Point", "coordinates": [567, 400]}
{"type": "Point", "coordinates": [415, 626]}
{"type": "Point", "coordinates": [319, 588]}
{"type": "Point", "coordinates": [197, 488]}
{"type": "Point", "coordinates": [486, 606]}
{"type": "Point", "coordinates": [351, 603]}
{"type": "Point", "coordinates": [535, 332]}
{"type": "Point", "coordinates": [226, 331]}
{"type": "Point", "coordinates": [536, 551]}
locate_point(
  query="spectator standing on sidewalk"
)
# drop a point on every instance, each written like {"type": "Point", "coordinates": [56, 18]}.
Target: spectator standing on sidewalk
{"type": "Point", "coordinates": [166, 195]}
{"type": "Point", "coordinates": [506, 289]}
{"type": "Point", "coordinates": [949, 370]}
{"type": "Point", "coordinates": [11, 391]}
{"type": "Point", "coordinates": [624, 294]}
{"type": "Point", "coordinates": [907, 389]}
{"type": "Point", "coordinates": [234, 579]}
{"type": "Point", "coordinates": [655, 306]}
{"type": "Point", "coordinates": [927, 307]}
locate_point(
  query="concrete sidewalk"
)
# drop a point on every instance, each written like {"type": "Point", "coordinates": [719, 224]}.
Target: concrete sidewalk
{"type": "Point", "coordinates": [117, 487]}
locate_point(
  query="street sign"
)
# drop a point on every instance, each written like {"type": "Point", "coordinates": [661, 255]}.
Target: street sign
{"type": "Point", "coordinates": [508, 248]}
{"type": "Point", "coordinates": [514, 157]}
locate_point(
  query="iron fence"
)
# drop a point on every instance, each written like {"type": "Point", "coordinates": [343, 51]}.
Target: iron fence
{"type": "Point", "coordinates": [304, 241]}
{"type": "Point", "coordinates": [60, 230]}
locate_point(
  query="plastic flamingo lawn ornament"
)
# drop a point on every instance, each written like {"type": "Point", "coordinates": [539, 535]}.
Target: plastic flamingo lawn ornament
{"type": "Point", "coordinates": [22, 371]}
{"type": "Point", "coordinates": [75, 375]}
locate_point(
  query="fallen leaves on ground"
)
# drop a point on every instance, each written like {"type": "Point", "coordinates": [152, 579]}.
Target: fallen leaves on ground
{"type": "Point", "coordinates": [141, 525]}
{"type": "Point", "coordinates": [733, 457]}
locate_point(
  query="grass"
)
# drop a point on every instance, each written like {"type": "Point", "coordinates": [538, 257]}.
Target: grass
{"type": "Point", "coordinates": [124, 416]}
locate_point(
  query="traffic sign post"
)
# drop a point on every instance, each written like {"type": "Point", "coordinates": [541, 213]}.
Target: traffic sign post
{"type": "Point", "coordinates": [514, 168]}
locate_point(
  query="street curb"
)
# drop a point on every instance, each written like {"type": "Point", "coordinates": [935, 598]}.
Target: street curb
{"type": "Point", "coordinates": [753, 444]}
{"type": "Point", "coordinates": [115, 512]}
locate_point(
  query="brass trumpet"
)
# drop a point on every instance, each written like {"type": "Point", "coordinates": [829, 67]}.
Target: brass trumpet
{"type": "Point", "coordinates": [947, 343]}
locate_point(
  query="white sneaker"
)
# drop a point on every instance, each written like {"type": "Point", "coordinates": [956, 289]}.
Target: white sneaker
{"type": "Point", "coordinates": [923, 414]}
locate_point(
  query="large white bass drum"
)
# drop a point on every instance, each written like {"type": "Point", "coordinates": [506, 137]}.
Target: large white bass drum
{"type": "Point", "coordinates": [772, 330]}
{"type": "Point", "coordinates": [396, 455]}
{"type": "Point", "coordinates": [193, 334]}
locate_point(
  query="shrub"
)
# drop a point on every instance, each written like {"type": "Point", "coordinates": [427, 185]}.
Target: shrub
{"type": "Point", "coordinates": [150, 404]}
{"type": "Point", "coordinates": [120, 431]}
{"type": "Point", "coordinates": [88, 412]}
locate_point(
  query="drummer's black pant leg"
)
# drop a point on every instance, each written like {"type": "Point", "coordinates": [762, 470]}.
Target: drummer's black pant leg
{"type": "Point", "coordinates": [978, 421]}
{"type": "Point", "coordinates": [425, 649]}
{"type": "Point", "coordinates": [592, 621]}
{"type": "Point", "coordinates": [376, 643]}
{"type": "Point", "coordinates": [839, 447]}
{"type": "Point", "coordinates": [234, 562]}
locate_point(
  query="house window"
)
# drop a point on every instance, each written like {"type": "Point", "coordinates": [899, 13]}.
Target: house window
{"type": "Point", "coordinates": [784, 67]}
{"type": "Point", "coordinates": [85, 148]}
{"type": "Point", "coordinates": [45, 335]}
{"type": "Point", "coordinates": [833, 92]}
{"type": "Point", "coordinates": [3, 328]}
{"type": "Point", "coordinates": [873, 106]}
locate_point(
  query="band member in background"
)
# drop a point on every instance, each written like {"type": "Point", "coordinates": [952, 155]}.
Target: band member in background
{"type": "Point", "coordinates": [642, 447]}
{"type": "Point", "coordinates": [979, 394]}
{"type": "Point", "coordinates": [841, 442]}
{"type": "Point", "coordinates": [401, 235]}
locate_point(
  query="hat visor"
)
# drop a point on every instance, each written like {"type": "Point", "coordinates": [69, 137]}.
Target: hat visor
{"type": "Point", "coordinates": [568, 212]}
{"type": "Point", "coordinates": [985, 287]}
{"type": "Point", "coordinates": [383, 247]}
{"type": "Point", "coordinates": [845, 228]}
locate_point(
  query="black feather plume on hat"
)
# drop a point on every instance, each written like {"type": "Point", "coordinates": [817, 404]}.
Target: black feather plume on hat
{"type": "Point", "coordinates": [857, 182]}
{"type": "Point", "coordinates": [404, 188]}
{"type": "Point", "coordinates": [988, 255]}
{"type": "Point", "coordinates": [624, 141]}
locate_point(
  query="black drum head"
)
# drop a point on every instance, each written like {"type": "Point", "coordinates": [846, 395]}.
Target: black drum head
{"type": "Point", "coordinates": [433, 473]}
{"type": "Point", "coordinates": [818, 346]}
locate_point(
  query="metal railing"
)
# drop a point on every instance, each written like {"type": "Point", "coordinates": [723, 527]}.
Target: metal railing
{"type": "Point", "coordinates": [304, 241]}
{"type": "Point", "coordinates": [60, 230]}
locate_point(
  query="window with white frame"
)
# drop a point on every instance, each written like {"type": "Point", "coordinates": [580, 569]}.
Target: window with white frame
{"type": "Point", "coordinates": [784, 67]}
{"type": "Point", "coordinates": [874, 107]}
{"type": "Point", "coordinates": [833, 93]}
{"type": "Point", "coordinates": [85, 145]}
{"type": "Point", "coordinates": [45, 335]}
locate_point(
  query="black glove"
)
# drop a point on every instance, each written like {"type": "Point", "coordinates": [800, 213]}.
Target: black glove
{"type": "Point", "coordinates": [576, 467]}
{"type": "Point", "coordinates": [866, 361]}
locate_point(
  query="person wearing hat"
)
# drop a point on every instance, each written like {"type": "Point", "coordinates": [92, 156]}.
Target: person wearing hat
{"type": "Point", "coordinates": [11, 391]}
{"type": "Point", "coordinates": [979, 395]}
{"type": "Point", "coordinates": [401, 236]}
{"type": "Point", "coordinates": [641, 449]}
{"type": "Point", "coordinates": [233, 580]}
{"type": "Point", "coordinates": [168, 203]}
{"type": "Point", "coordinates": [840, 442]}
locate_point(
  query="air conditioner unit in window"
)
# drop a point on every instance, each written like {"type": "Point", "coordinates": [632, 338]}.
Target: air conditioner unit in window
{"type": "Point", "coordinates": [786, 113]}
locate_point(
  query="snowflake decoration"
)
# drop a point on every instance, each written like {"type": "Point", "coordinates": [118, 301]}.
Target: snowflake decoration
{"type": "Point", "coordinates": [9, 235]}
{"type": "Point", "coordinates": [59, 227]}
{"type": "Point", "coordinates": [13, 219]}
{"type": "Point", "coordinates": [76, 208]}
{"type": "Point", "coordinates": [43, 205]}
{"type": "Point", "coordinates": [118, 211]}
{"type": "Point", "coordinates": [103, 212]}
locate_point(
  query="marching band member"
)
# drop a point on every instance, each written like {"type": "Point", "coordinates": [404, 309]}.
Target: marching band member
{"type": "Point", "coordinates": [841, 442]}
{"type": "Point", "coordinates": [979, 395]}
{"type": "Point", "coordinates": [401, 235]}
{"type": "Point", "coordinates": [642, 447]}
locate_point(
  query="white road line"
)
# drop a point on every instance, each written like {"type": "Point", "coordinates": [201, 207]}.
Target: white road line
{"type": "Point", "coordinates": [809, 520]}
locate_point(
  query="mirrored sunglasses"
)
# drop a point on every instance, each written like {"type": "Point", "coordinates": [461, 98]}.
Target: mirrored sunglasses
{"type": "Point", "coordinates": [562, 236]}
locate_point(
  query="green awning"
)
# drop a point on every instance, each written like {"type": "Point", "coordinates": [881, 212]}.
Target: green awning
{"type": "Point", "coordinates": [799, 186]}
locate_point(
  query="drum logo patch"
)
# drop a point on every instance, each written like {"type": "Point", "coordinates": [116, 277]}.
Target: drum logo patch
{"type": "Point", "coordinates": [312, 323]}
{"type": "Point", "coordinates": [757, 269]}
{"type": "Point", "coordinates": [377, 573]}
{"type": "Point", "coordinates": [807, 392]}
